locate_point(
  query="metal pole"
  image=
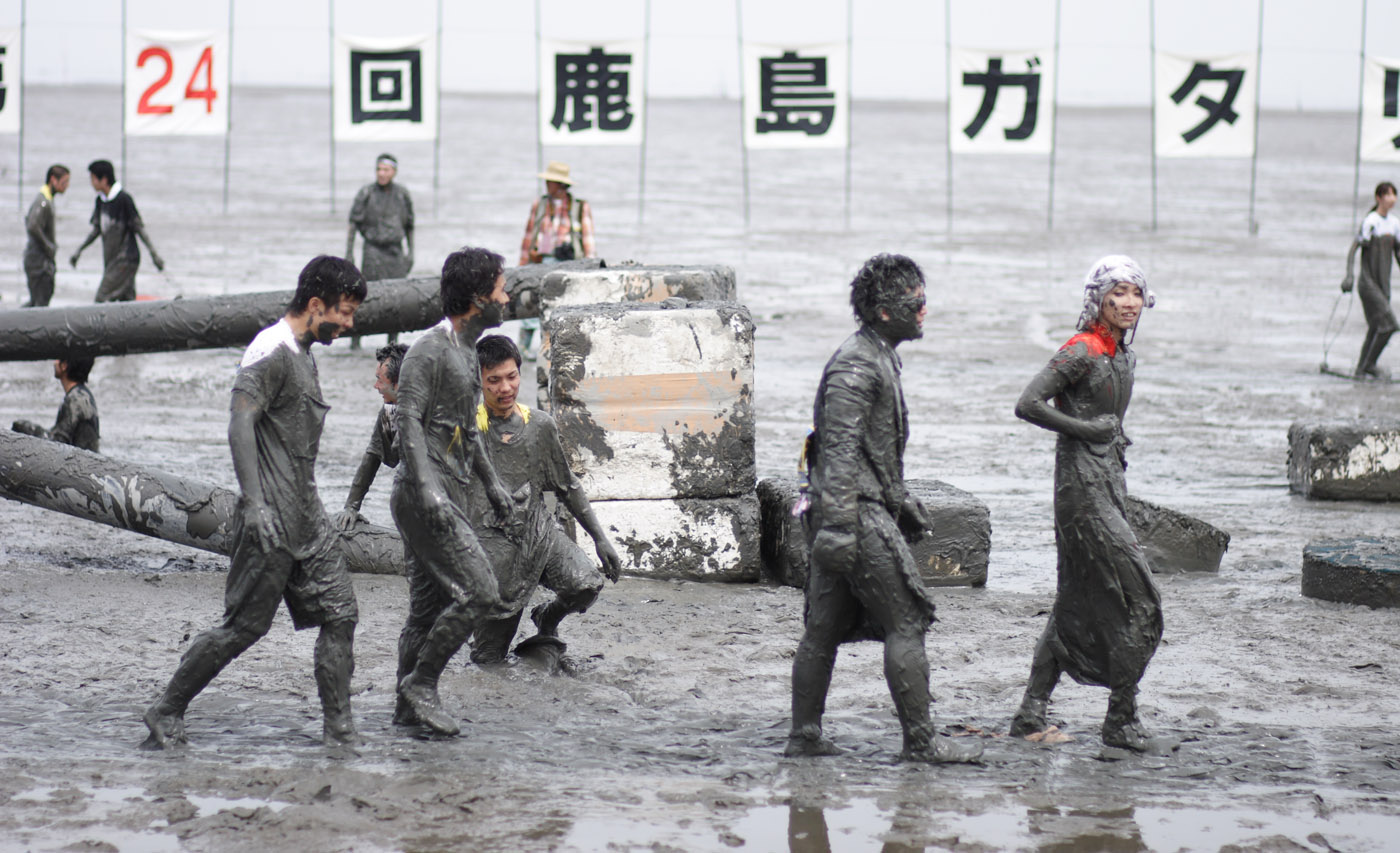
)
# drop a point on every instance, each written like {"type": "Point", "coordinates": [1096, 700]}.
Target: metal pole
{"type": "Point", "coordinates": [19, 178]}
{"type": "Point", "coordinates": [437, 136]}
{"type": "Point", "coordinates": [948, 104]}
{"type": "Point", "coordinates": [123, 99]}
{"type": "Point", "coordinates": [850, 124]}
{"type": "Point", "coordinates": [646, 113]}
{"type": "Point", "coordinates": [743, 102]}
{"type": "Point", "coordinates": [1360, 95]}
{"type": "Point", "coordinates": [330, 27]}
{"type": "Point", "coordinates": [539, 138]}
{"type": "Point", "coordinates": [1054, 125]}
{"type": "Point", "coordinates": [1254, 159]}
{"type": "Point", "coordinates": [228, 130]}
{"type": "Point", "coordinates": [1152, 97]}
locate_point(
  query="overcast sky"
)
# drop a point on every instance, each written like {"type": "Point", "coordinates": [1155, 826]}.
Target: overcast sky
{"type": "Point", "coordinates": [1310, 49]}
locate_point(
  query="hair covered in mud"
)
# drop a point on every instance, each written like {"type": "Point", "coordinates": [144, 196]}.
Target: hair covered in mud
{"type": "Point", "coordinates": [328, 278]}
{"type": "Point", "coordinates": [1103, 275]}
{"type": "Point", "coordinates": [391, 356]}
{"type": "Point", "coordinates": [497, 349]}
{"type": "Point", "coordinates": [881, 283]}
{"type": "Point", "coordinates": [467, 274]}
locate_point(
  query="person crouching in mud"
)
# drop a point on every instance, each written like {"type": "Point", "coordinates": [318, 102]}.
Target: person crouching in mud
{"type": "Point", "coordinates": [862, 582]}
{"type": "Point", "coordinates": [1107, 618]}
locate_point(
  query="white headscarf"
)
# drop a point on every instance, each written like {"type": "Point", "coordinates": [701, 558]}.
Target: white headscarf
{"type": "Point", "coordinates": [1103, 275]}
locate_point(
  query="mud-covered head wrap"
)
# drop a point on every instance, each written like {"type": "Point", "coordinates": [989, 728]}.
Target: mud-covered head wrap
{"type": "Point", "coordinates": [387, 159]}
{"type": "Point", "coordinates": [1103, 275]}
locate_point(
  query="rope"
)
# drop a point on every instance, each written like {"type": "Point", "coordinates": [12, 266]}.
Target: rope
{"type": "Point", "coordinates": [1326, 341]}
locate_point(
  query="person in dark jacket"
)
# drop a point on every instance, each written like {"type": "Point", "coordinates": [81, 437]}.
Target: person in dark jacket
{"type": "Point", "coordinates": [77, 422]}
{"type": "Point", "coordinates": [116, 220]}
{"type": "Point", "coordinates": [41, 251]}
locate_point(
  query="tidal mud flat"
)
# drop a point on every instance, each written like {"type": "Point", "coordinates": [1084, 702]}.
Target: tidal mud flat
{"type": "Point", "coordinates": [669, 732]}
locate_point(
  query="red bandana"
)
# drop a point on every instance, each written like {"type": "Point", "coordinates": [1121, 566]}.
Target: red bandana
{"type": "Point", "coordinates": [1097, 339]}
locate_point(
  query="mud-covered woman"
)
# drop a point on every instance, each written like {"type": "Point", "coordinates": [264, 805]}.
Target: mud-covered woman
{"type": "Point", "coordinates": [1379, 241]}
{"type": "Point", "coordinates": [1107, 618]}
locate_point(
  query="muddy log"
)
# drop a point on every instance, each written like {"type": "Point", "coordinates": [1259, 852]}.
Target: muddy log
{"type": "Point", "coordinates": [156, 503]}
{"type": "Point", "coordinates": [167, 325]}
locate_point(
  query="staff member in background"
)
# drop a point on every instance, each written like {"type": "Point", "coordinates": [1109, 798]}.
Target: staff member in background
{"type": "Point", "coordinates": [560, 228]}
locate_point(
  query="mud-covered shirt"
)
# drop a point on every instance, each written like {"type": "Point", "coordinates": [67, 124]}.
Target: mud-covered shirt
{"type": "Point", "coordinates": [120, 223]}
{"type": "Point", "coordinates": [77, 419]}
{"type": "Point", "coordinates": [384, 441]}
{"type": "Point", "coordinates": [39, 225]}
{"type": "Point", "coordinates": [382, 215]}
{"type": "Point", "coordinates": [525, 449]}
{"type": "Point", "coordinates": [438, 385]}
{"type": "Point", "coordinates": [280, 376]}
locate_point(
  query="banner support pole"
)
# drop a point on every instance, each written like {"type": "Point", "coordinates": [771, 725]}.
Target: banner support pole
{"type": "Point", "coordinates": [1254, 157]}
{"type": "Point", "coordinates": [1360, 105]}
{"type": "Point", "coordinates": [228, 107]}
{"type": "Point", "coordinates": [850, 123]}
{"type": "Point", "coordinates": [1054, 125]}
{"type": "Point", "coordinates": [1152, 97]}
{"type": "Point", "coordinates": [948, 108]}
{"type": "Point", "coordinates": [330, 28]}
{"type": "Point", "coordinates": [646, 114]}
{"type": "Point", "coordinates": [743, 103]}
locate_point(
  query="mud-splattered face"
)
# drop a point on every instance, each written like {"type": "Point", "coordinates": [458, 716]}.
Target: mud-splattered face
{"type": "Point", "coordinates": [1385, 202]}
{"type": "Point", "coordinates": [382, 384]}
{"type": "Point", "coordinates": [384, 173]}
{"type": "Point", "coordinates": [1121, 307]}
{"type": "Point", "coordinates": [327, 324]}
{"type": "Point", "coordinates": [493, 309]}
{"type": "Point", "coordinates": [904, 319]}
{"type": "Point", "coordinates": [499, 386]}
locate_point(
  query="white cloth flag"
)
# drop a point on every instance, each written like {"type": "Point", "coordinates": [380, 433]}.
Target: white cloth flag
{"type": "Point", "coordinates": [1380, 110]}
{"type": "Point", "coordinates": [10, 65]}
{"type": "Point", "coordinates": [1001, 102]}
{"type": "Point", "coordinates": [1205, 106]}
{"type": "Point", "coordinates": [385, 89]}
{"type": "Point", "coordinates": [796, 96]}
{"type": "Point", "coordinates": [176, 83]}
{"type": "Point", "coordinates": [591, 93]}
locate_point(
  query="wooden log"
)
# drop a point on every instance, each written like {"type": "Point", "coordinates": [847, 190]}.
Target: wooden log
{"type": "Point", "coordinates": [155, 503]}
{"type": "Point", "coordinates": [1365, 570]}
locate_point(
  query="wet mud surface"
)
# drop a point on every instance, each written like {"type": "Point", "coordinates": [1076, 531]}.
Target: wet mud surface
{"type": "Point", "coordinates": [668, 733]}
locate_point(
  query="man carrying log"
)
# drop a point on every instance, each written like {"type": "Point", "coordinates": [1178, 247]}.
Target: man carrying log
{"type": "Point", "coordinates": [285, 548]}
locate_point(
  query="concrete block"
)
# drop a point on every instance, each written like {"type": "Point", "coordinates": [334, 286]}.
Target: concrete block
{"type": "Point", "coordinates": [637, 283]}
{"type": "Point", "coordinates": [1355, 571]}
{"type": "Point", "coordinates": [1345, 460]}
{"type": "Point", "coordinates": [1176, 542]}
{"type": "Point", "coordinates": [707, 540]}
{"type": "Point", "coordinates": [954, 554]}
{"type": "Point", "coordinates": [654, 401]}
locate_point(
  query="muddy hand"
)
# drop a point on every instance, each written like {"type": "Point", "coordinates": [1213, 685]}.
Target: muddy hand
{"type": "Point", "coordinates": [1100, 429]}
{"type": "Point", "coordinates": [160, 264]}
{"type": "Point", "coordinates": [346, 519]}
{"type": "Point", "coordinates": [835, 550]}
{"type": "Point", "coordinates": [1347, 284]}
{"type": "Point", "coordinates": [612, 564]}
{"type": "Point", "coordinates": [259, 520]}
{"type": "Point", "coordinates": [913, 519]}
{"type": "Point", "coordinates": [74, 260]}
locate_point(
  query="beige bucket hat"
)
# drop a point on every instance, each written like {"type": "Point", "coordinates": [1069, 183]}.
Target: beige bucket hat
{"type": "Point", "coordinates": [557, 171]}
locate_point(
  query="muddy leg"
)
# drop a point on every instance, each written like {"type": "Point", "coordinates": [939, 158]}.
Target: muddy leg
{"type": "Point", "coordinates": [1363, 361]}
{"type": "Point", "coordinates": [1045, 674]}
{"type": "Point", "coordinates": [831, 613]}
{"type": "Point", "coordinates": [205, 658]}
{"type": "Point", "coordinates": [1120, 726]}
{"type": "Point", "coordinates": [420, 687]}
{"type": "Point", "coordinates": [491, 640]}
{"type": "Point", "coordinates": [335, 664]}
{"type": "Point", "coordinates": [548, 615]}
{"type": "Point", "coordinates": [1374, 354]}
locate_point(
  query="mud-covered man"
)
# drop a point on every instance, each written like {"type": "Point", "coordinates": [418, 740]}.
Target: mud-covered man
{"type": "Point", "coordinates": [451, 588]}
{"type": "Point", "coordinates": [285, 548]}
{"type": "Point", "coordinates": [527, 454]}
{"type": "Point", "coordinates": [382, 214]}
{"type": "Point", "coordinates": [116, 220]}
{"type": "Point", "coordinates": [862, 582]}
{"type": "Point", "coordinates": [384, 440]}
{"type": "Point", "coordinates": [41, 250]}
{"type": "Point", "coordinates": [77, 422]}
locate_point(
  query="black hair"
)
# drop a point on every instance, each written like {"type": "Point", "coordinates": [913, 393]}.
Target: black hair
{"type": "Point", "coordinates": [55, 171]}
{"type": "Point", "coordinates": [328, 278]}
{"type": "Point", "coordinates": [467, 274]}
{"type": "Point", "coordinates": [1381, 189]}
{"type": "Point", "coordinates": [882, 281]}
{"type": "Point", "coordinates": [103, 171]}
{"type": "Point", "coordinates": [496, 349]}
{"type": "Point", "coordinates": [77, 367]}
{"type": "Point", "coordinates": [391, 356]}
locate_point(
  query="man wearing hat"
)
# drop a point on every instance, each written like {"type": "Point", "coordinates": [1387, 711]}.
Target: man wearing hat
{"type": "Point", "coordinates": [560, 228]}
{"type": "Point", "coordinates": [383, 214]}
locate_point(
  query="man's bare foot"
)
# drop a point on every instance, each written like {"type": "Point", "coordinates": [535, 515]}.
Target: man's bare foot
{"type": "Point", "coordinates": [427, 707]}
{"type": "Point", "coordinates": [167, 730]}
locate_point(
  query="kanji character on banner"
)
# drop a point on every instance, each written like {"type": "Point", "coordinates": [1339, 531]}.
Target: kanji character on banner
{"type": "Point", "coordinates": [796, 97]}
{"type": "Point", "coordinates": [586, 93]}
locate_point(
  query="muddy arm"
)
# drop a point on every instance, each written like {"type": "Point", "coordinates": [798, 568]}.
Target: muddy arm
{"type": "Point", "coordinates": [350, 244]}
{"type": "Point", "coordinates": [140, 228]}
{"type": "Point", "coordinates": [33, 224]}
{"type": "Point", "coordinates": [495, 490]}
{"type": "Point", "coordinates": [1035, 408]}
{"type": "Point", "coordinates": [1347, 281]}
{"type": "Point", "coordinates": [92, 235]}
{"type": "Point", "coordinates": [242, 441]}
{"type": "Point", "coordinates": [364, 478]}
{"type": "Point", "coordinates": [582, 511]}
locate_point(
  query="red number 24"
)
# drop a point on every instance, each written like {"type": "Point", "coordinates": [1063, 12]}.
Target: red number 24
{"type": "Point", "coordinates": [206, 94]}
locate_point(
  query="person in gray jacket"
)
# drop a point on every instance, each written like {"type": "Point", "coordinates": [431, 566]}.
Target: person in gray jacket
{"type": "Point", "coordinates": [41, 251]}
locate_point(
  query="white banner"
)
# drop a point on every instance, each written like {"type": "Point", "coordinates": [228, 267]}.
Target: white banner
{"type": "Point", "coordinates": [1205, 106]}
{"type": "Point", "coordinates": [385, 89]}
{"type": "Point", "coordinates": [1001, 102]}
{"type": "Point", "coordinates": [591, 93]}
{"type": "Point", "coordinates": [176, 83]}
{"type": "Point", "coordinates": [795, 96]}
{"type": "Point", "coordinates": [1380, 110]}
{"type": "Point", "coordinates": [10, 65]}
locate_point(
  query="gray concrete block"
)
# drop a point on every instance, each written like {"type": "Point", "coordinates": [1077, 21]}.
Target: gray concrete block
{"type": "Point", "coordinates": [1345, 460]}
{"type": "Point", "coordinates": [1174, 541]}
{"type": "Point", "coordinates": [637, 283]}
{"type": "Point", "coordinates": [1355, 571]}
{"type": "Point", "coordinates": [955, 554]}
{"type": "Point", "coordinates": [654, 401]}
{"type": "Point", "coordinates": [707, 540]}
